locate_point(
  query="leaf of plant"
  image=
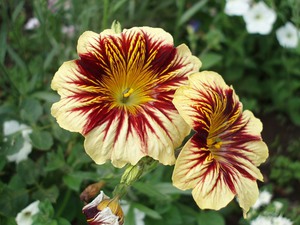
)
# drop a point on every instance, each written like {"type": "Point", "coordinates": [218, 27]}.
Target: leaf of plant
{"type": "Point", "coordinates": [209, 60]}
{"type": "Point", "coordinates": [190, 12]}
{"type": "Point", "coordinates": [42, 140]}
{"type": "Point", "coordinates": [210, 218]}
{"type": "Point", "coordinates": [149, 212]}
{"type": "Point", "coordinates": [31, 110]}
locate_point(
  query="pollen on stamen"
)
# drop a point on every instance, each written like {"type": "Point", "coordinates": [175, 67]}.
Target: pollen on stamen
{"type": "Point", "coordinates": [127, 92]}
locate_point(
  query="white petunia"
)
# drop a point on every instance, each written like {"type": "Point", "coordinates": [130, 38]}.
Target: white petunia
{"type": "Point", "coordinates": [11, 127]}
{"type": "Point", "coordinates": [281, 221]}
{"type": "Point", "coordinates": [262, 220]}
{"type": "Point", "coordinates": [25, 216]}
{"type": "Point", "coordinates": [278, 206]}
{"type": "Point", "coordinates": [259, 19]}
{"type": "Point", "coordinates": [32, 24]}
{"type": "Point", "coordinates": [237, 7]}
{"type": "Point", "coordinates": [288, 35]}
{"type": "Point", "coordinates": [270, 220]}
{"type": "Point", "coordinates": [264, 198]}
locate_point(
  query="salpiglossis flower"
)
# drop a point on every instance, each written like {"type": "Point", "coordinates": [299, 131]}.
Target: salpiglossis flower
{"type": "Point", "coordinates": [119, 93]}
{"type": "Point", "coordinates": [220, 160]}
{"type": "Point", "coordinates": [104, 211]}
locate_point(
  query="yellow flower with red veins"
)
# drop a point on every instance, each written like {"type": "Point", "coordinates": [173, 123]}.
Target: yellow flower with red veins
{"type": "Point", "coordinates": [119, 93]}
{"type": "Point", "coordinates": [220, 160]}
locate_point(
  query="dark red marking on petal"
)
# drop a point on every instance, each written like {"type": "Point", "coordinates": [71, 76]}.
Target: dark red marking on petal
{"type": "Point", "coordinates": [95, 97]}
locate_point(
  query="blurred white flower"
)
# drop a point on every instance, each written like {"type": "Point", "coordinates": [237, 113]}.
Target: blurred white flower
{"type": "Point", "coordinates": [269, 220]}
{"type": "Point", "coordinates": [11, 127]}
{"type": "Point", "coordinates": [25, 216]}
{"type": "Point", "coordinates": [32, 24]}
{"type": "Point", "coordinates": [68, 30]}
{"type": "Point", "coordinates": [281, 221]}
{"type": "Point", "coordinates": [262, 220]}
{"type": "Point", "coordinates": [259, 18]}
{"type": "Point", "coordinates": [264, 198]}
{"type": "Point", "coordinates": [138, 215]}
{"type": "Point", "coordinates": [288, 35]}
{"type": "Point", "coordinates": [237, 7]}
{"type": "Point", "coordinates": [278, 206]}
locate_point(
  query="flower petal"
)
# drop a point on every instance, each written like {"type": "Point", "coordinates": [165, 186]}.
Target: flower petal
{"type": "Point", "coordinates": [220, 161]}
{"type": "Point", "coordinates": [119, 94]}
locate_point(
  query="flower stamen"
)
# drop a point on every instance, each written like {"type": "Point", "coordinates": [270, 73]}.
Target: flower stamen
{"type": "Point", "coordinates": [127, 92]}
{"type": "Point", "coordinates": [214, 142]}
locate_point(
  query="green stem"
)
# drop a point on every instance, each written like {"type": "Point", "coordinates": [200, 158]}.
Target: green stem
{"type": "Point", "coordinates": [105, 14]}
{"type": "Point", "coordinates": [64, 203]}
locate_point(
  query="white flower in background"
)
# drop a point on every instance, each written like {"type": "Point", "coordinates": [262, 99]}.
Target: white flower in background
{"type": "Point", "coordinates": [32, 24]}
{"type": "Point", "coordinates": [259, 18]}
{"type": "Point", "coordinates": [138, 215]}
{"type": "Point", "coordinates": [25, 216]}
{"type": "Point", "coordinates": [11, 127]}
{"type": "Point", "coordinates": [264, 198]}
{"type": "Point", "coordinates": [68, 30]}
{"type": "Point", "coordinates": [278, 206]}
{"type": "Point", "coordinates": [281, 221]}
{"type": "Point", "coordinates": [262, 220]}
{"type": "Point", "coordinates": [269, 220]}
{"type": "Point", "coordinates": [237, 7]}
{"type": "Point", "coordinates": [288, 35]}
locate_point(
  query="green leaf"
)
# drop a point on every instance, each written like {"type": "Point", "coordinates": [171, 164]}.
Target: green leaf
{"type": "Point", "coordinates": [49, 194]}
{"type": "Point", "coordinates": [28, 171]}
{"type": "Point", "coordinates": [13, 143]}
{"type": "Point", "coordinates": [46, 96]}
{"type": "Point", "coordinates": [12, 201]}
{"type": "Point", "coordinates": [63, 221]}
{"type": "Point", "coordinates": [210, 218]}
{"type": "Point", "coordinates": [15, 57]}
{"type": "Point", "coordinates": [55, 160]}
{"type": "Point", "coordinates": [42, 140]}
{"type": "Point", "coordinates": [168, 188]}
{"type": "Point", "coordinates": [294, 110]}
{"type": "Point", "coordinates": [209, 60]}
{"type": "Point", "coordinates": [61, 134]}
{"type": "Point", "coordinates": [31, 110]}
{"type": "Point", "coordinates": [149, 212]}
{"type": "Point", "coordinates": [149, 190]}
{"type": "Point", "coordinates": [191, 12]}
{"type": "Point", "coordinates": [72, 181]}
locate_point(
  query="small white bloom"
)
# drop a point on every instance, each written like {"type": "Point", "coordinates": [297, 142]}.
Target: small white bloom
{"type": "Point", "coordinates": [264, 198]}
{"type": "Point", "coordinates": [259, 18]}
{"type": "Point", "coordinates": [278, 206]}
{"type": "Point", "coordinates": [138, 215]}
{"type": "Point", "coordinates": [32, 23]}
{"type": "Point", "coordinates": [287, 35]}
{"type": "Point", "coordinates": [237, 7]}
{"type": "Point", "coordinates": [11, 127]}
{"type": "Point", "coordinates": [262, 220]}
{"type": "Point", "coordinates": [281, 221]}
{"type": "Point", "coordinates": [25, 216]}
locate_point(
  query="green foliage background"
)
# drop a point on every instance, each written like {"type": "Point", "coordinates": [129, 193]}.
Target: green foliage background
{"type": "Point", "coordinates": [265, 76]}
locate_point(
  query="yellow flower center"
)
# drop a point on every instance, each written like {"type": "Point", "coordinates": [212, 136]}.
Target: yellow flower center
{"type": "Point", "coordinates": [127, 92]}
{"type": "Point", "coordinates": [214, 143]}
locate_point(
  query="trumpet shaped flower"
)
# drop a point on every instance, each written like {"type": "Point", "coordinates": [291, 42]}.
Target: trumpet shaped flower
{"type": "Point", "coordinates": [104, 211]}
{"type": "Point", "coordinates": [119, 93]}
{"type": "Point", "coordinates": [220, 160]}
